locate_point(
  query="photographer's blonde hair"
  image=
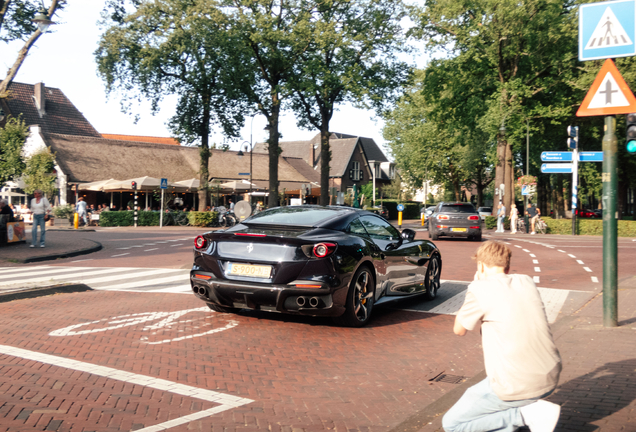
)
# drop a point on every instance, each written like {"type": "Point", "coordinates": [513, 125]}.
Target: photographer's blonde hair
{"type": "Point", "coordinates": [494, 254]}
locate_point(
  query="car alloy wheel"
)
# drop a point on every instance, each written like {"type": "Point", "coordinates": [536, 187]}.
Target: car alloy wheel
{"type": "Point", "coordinates": [359, 300]}
{"type": "Point", "coordinates": [433, 278]}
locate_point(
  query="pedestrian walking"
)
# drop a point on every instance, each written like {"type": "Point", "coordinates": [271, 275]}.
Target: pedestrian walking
{"type": "Point", "coordinates": [533, 213]}
{"type": "Point", "coordinates": [501, 215]}
{"type": "Point", "coordinates": [80, 208]}
{"type": "Point", "coordinates": [40, 207]}
{"type": "Point", "coordinates": [514, 216]}
{"type": "Point", "coordinates": [522, 362]}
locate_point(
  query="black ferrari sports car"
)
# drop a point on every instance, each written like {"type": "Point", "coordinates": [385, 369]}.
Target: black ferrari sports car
{"type": "Point", "coordinates": [313, 260]}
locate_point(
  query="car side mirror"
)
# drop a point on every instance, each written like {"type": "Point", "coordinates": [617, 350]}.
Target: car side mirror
{"type": "Point", "coordinates": [408, 234]}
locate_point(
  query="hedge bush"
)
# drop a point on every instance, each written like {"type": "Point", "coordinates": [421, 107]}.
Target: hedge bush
{"type": "Point", "coordinates": [202, 219]}
{"type": "Point", "coordinates": [626, 228]}
{"type": "Point", "coordinates": [491, 222]}
{"type": "Point", "coordinates": [151, 218]}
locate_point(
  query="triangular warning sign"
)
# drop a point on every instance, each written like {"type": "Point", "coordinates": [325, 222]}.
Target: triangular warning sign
{"type": "Point", "coordinates": [608, 33]}
{"type": "Point", "coordinates": [608, 95]}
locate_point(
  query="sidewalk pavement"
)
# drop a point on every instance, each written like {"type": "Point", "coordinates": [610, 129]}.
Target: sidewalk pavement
{"type": "Point", "coordinates": [61, 242]}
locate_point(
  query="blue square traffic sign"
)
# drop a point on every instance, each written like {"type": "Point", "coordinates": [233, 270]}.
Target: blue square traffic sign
{"type": "Point", "coordinates": [607, 30]}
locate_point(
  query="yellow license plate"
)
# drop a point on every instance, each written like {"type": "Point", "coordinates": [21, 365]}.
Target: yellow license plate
{"type": "Point", "coordinates": [458, 229]}
{"type": "Point", "coordinates": [250, 270]}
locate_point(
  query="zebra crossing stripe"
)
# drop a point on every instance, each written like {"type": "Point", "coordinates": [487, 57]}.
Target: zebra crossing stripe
{"type": "Point", "coordinates": [155, 272]}
{"type": "Point", "coordinates": [124, 286]}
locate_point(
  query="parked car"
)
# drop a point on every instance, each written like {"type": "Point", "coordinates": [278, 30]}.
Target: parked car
{"type": "Point", "coordinates": [428, 211]}
{"type": "Point", "coordinates": [312, 260]}
{"type": "Point", "coordinates": [583, 213]}
{"type": "Point", "coordinates": [598, 212]}
{"type": "Point", "coordinates": [455, 219]}
{"type": "Point", "coordinates": [380, 210]}
{"type": "Point", "coordinates": [484, 211]}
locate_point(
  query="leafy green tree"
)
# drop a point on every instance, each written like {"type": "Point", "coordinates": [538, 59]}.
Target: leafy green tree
{"type": "Point", "coordinates": [16, 24]}
{"type": "Point", "coordinates": [525, 51]}
{"type": "Point", "coordinates": [12, 138]}
{"type": "Point", "coordinates": [39, 173]}
{"type": "Point", "coordinates": [353, 57]}
{"type": "Point", "coordinates": [177, 47]}
{"type": "Point", "coordinates": [275, 34]}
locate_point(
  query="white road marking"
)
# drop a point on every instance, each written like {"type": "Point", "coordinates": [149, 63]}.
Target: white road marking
{"type": "Point", "coordinates": [178, 244]}
{"type": "Point", "coordinates": [579, 261]}
{"type": "Point", "coordinates": [561, 250]}
{"type": "Point", "coordinates": [225, 401]}
{"type": "Point", "coordinates": [535, 261]}
{"type": "Point", "coordinates": [149, 244]}
{"type": "Point", "coordinates": [518, 246]}
{"type": "Point", "coordinates": [533, 255]}
{"type": "Point", "coordinates": [113, 256]}
{"type": "Point", "coordinates": [537, 269]}
{"type": "Point", "coordinates": [594, 279]}
{"type": "Point", "coordinates": [536, 279]}
{"type": "Point", "coordinates": [526, 250]}
{"type": "Point", "coordinates": [125, 248]}
{"type": "Point", "coordinates": [148, 250]}
{"type": "Point", "coordinates": [88, 259]}
{"type": "Point", "coordinates": [138, 284]}
{"type": "Point", "coordinates": [587, 269]}
{"type": "Point", "coordinates": [571, 256]}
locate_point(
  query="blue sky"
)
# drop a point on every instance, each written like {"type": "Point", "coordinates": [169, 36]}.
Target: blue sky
{"type": "Point", "coordinates": [64, 59]}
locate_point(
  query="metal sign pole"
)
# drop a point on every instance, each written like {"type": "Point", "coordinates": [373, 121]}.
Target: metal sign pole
{"type": "Point", "coordinates": [610, 224]}
{"type": "Point", "coordinates": [136, 207]}
{"type": "Point", "coordinates": [575, 184]}
{"type": "Point", "coordinates": [161, 211]}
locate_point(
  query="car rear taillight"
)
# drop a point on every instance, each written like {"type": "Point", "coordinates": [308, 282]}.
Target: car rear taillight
{"type": "Point", "coordinates": [321, 250]}
{"type": "Point", "coordinates": [200, 242]}
{"type": "Point", "coordinates": [473, 217]}
{"type": "Point", "coordinates": [250, 235]}
{"type": "Point", "coordinates": [441, 226]}
{"type": "Point", "coordinates": [442, 217]}
{"type": "Point", "coordinates": [475, 227]}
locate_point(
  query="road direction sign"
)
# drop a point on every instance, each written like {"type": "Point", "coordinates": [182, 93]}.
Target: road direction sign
{"type": "Point", "coordinates": [607, 30]}
{"type": "Point", "coordinates": [164, 183]}
{"type": "Point", "coordinates": [609, 94]}
{"type": "Point", "coordinates": [556, 168]}
{"type": "Point", "coordinates": [590, 156]}
{"type": "Point", "coordinates": [556, 156]}
{"type": "Point", "coordinates": [244, 174]}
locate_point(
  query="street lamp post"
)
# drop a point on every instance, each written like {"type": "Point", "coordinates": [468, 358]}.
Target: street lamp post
{"type": "Point", "coordinates": [372, 163]}
{"type": "Point", "coordinates": [248, 145]}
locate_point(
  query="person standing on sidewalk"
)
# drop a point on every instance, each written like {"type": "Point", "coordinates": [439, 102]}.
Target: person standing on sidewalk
{"type": "Point", "coordinates": [80, 208]}
{"type": "Point", "coordinates": [533, 213]}
{"type": "Point", "coordinates": [514, 216]}
{"type": "Point", "coordinates": [522, 362]}
{"type": "Point", "coordinates": [501, 215]}
{"type": "Point", "coordinates": [39, 207]}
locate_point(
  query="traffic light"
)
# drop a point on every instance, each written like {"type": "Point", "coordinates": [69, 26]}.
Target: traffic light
{"type": "Point", "coordinates": [133, 185]}
{"type": "Point", "coordinates": [630, 132]}
{"type": "Point", "coordinates": [573, 137]}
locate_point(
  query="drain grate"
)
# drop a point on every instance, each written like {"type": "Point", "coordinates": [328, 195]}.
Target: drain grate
{"type": "Point", "coordinates": [450, 379]}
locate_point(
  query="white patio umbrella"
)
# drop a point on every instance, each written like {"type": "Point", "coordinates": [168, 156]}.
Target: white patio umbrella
{"type": "Point", "coordinates": [99, 185]}
{"type": "Point", "coordinates": [12, 194]}
{"type": "Point", "coordinates": [239, 186]}
{"type": "Point", "coordinates": [143, 184]}
{"type": "Point", "coordinates": [192, 183]}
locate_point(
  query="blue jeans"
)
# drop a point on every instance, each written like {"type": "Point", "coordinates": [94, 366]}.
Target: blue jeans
{"type": "Point", "coordinates": [500, 223]}
{"type": "Point", "coordinates": [38, 219]}
{"type": "Point", "coordinates": [481, 410]}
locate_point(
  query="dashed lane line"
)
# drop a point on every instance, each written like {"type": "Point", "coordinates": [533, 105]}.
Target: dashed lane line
{"type": "Point", "coordinates": [148, 250]}
{"type": "Point", "coordinates": [587, 269]}
{"type": "Point", "coordinates": [580, 262]}
{"type": "Point", "coordinates": [537, 269]}
{"type": "Point", "coordinates": [536, 279]}
{"type": "Point", "coordinates": [114, 256]}
{"type": "Point", "coordinates": [571, 256]}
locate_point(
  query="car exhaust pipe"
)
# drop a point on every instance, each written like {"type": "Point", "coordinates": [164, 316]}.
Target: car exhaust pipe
{"type": "Point", "coordinates": [300, 301]}
{"type": "Point", "coordinates": [202, 291]}
{"type": "Point", "coordinates": [313, 302]}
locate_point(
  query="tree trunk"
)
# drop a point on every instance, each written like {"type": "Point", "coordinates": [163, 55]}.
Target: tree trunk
{"type": "Point", "coordinates": [325, 159]}
{"type": "Point", "coordinates": [509, 196]}
{"type": "Point", "coordinates": [560, 203]}
{"type": "Point", "coordinates": [204, 154]}
{"type": "Point", "coordinates": [274, 151]}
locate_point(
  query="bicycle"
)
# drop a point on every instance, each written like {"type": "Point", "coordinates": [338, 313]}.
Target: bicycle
{"type": "Point", "coordinates": [176, 218]}
{"type": "Point", "coordinates": [540, 226]}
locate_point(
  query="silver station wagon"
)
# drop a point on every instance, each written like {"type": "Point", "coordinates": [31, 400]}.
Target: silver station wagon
{"type": "Point", "coordinates": [455, 219]}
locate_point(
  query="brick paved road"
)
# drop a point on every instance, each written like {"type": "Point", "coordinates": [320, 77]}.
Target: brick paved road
{"type": "Point", "coordinates": [301, 373]}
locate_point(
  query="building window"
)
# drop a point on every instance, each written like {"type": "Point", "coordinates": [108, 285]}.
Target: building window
{"type": "Point", "coordinates": [355, 173]}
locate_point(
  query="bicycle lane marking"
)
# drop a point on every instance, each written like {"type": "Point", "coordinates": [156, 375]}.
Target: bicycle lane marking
{"type": "Point", "coordinates": [167, 321]}
{"type": "Point", "coordinates": [225, 401]}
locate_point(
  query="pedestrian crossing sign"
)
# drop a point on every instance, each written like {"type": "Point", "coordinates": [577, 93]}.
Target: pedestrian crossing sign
{"type": "Point", "coordinates": [609, 94]}
{"type": "Point", "coordinates": [607, 30]}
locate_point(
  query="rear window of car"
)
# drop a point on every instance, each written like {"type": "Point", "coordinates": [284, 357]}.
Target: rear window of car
{"type": "Point", "coordinates": [291, 215]}
{"type": "Point", "coordinates": [457, 208]}
{"type": "Point", "coordinates": [485, 209]}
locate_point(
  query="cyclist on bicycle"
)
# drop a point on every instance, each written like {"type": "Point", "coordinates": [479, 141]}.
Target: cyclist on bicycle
{"type": "Point", "coordinates": [534, 214]}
